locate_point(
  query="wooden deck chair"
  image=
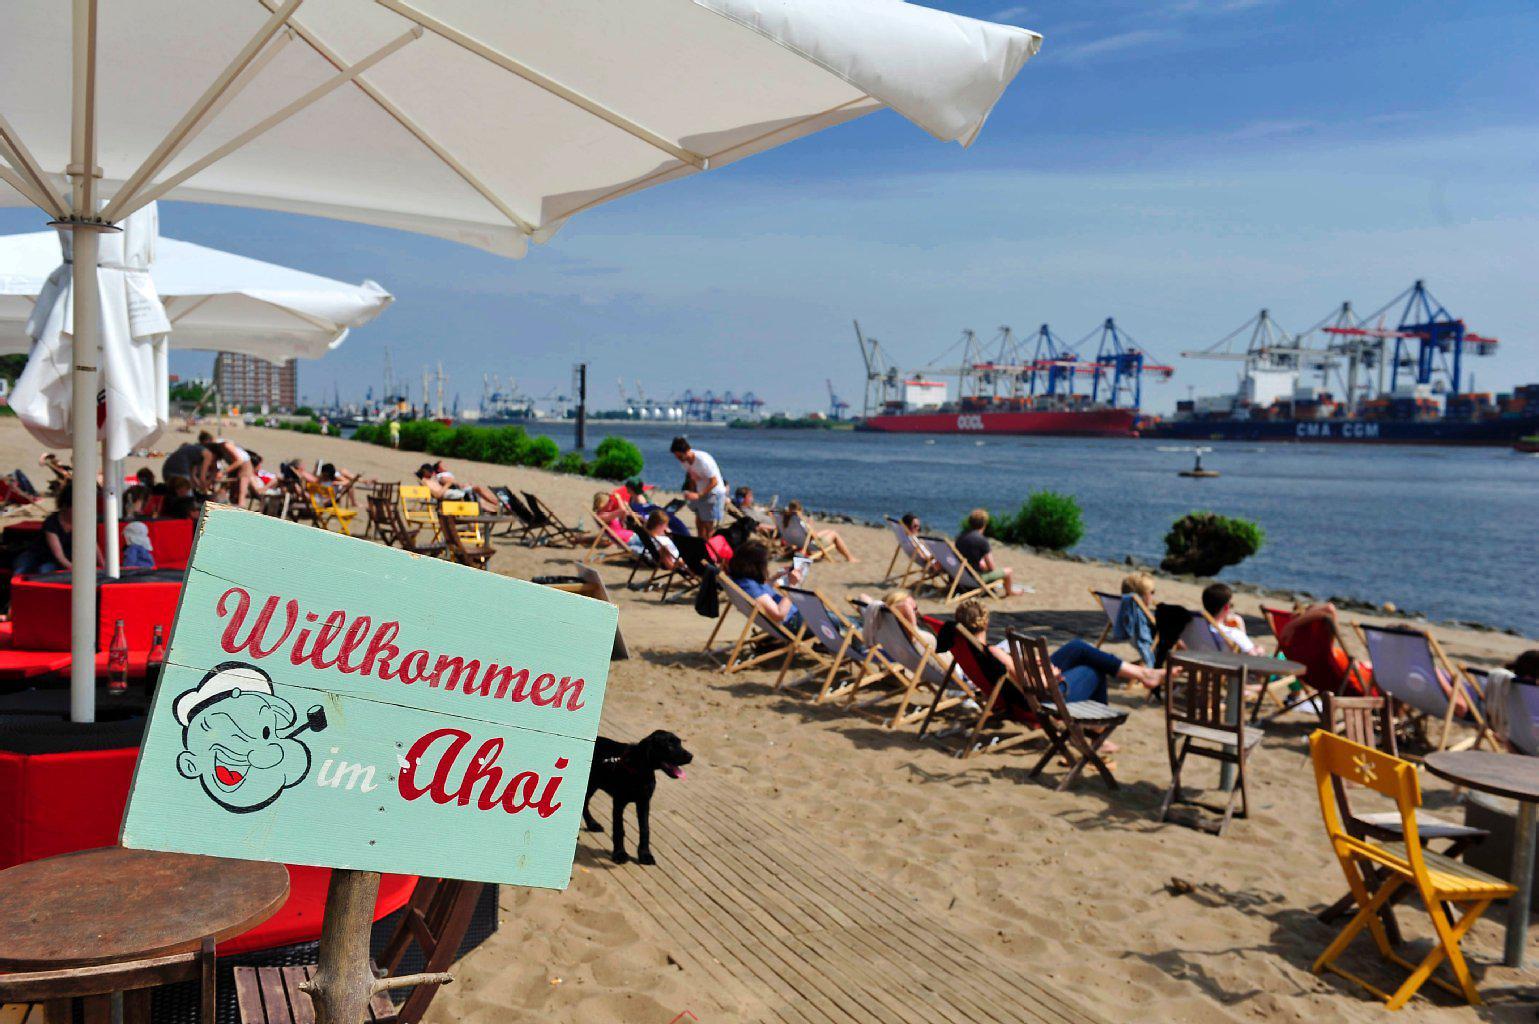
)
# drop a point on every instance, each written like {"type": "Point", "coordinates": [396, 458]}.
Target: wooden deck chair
{"type": "Point", "coordinates": [418, 508]}
{"type": "Point", "coordinates": [957, 579]}
{"type": "Point", "coordinates": [322, 499]}
{"type": "Point", "coordinates": [1328, 668]}
{"type": "Point", "coordinates": [1196, 724]}
{"type": "Point", "coordinates": [382, 490]}
{"type": "Point", "coordinates": [521, 527]}
{"type": "Point", "coordinates": [831, 635]}
{"type": "Point", "coordinates": [907, 667]}
{"type": "Point", "coordinates": [761, 639]}
{"type": "Point", "coordinates": [1075, 729]}
{"type": "Point", "coordinates": [381, 522]}
{"type": "Point", "coordinates": [274, 502]}
{"type": "Point", "coordinates": [1440, 882]}
{"type": "Point", "coordinates": [1409, 665]}
{"type": "Point", "coordinates": [651, 562]}
{"type": "Point", "coordinates": [609, 546]}
{"type": "Point", "coordinates": [1369, 721]}
{"type": "Point", "coordinates": [693, 563]}
{"type": "Point", "coordinates": [465, 542]}
{"type": "Point", "coordinates": [1003, 718]}
{"type": "Point", "coordinates": [910, 553]}
{"type": "Point", "coordinates": [435, 921]}
{"type": "Point", "coordinates": [549, 525]}
{"type": "Point", "coordinates": [801, 539]}
{"type": "Point", "coordinates": [1111, 606]}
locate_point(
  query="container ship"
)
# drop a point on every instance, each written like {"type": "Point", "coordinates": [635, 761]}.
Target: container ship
{"type": "Point", "coordinates": [1036, 385]}
{"type": "Point", "coordinates": [1350, 379]}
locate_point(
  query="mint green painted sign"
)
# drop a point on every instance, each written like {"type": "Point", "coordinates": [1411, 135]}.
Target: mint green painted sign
{"type": "Point", "coordinates": [335, 702]}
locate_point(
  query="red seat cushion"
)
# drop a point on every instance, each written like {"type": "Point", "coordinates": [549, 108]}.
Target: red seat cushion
{"type": "Point", "coordinates": [59, 803]}
{"type": "Point", "coordinates": [141, 607]}
{"type": "Point", "coordinates": [15, 664]}
{"type": "Point", "coordinates": [299, 919]}
{"type": "Point", "coordinates": [39, 615]}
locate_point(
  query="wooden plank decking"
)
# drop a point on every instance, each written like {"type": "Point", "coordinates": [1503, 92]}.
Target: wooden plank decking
{"type": "Point", "coordinates": [792, 930]}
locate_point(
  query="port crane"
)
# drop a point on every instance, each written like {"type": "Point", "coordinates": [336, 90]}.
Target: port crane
{"type": "Point", "coordinates": [1119, 366]}
{"type": "Point", "coordinates": [884, 384]}
{"type": "Point", "coordinates": [1439, 340]}
{"type": "Point", "coordinates": [837, 407]}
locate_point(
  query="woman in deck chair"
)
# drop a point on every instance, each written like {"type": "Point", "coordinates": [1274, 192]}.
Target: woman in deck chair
{"type": "Point", "coordinates": [749, 569]}
{"type": "Point", "coordinates": [661, 552]}
{"type": "Point", "coordinates": [793, 521]}
{"type": "Point", "coordinates": [1132, 623]}
{"type": "Point", "coordinates": [904, 606]}
{"type": "Point", "coordinates": [1084, 670]}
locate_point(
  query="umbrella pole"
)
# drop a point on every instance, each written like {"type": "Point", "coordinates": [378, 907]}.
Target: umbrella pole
{"type": "Point", "coordinates": [86, 297]}
{"type": "Point", "coordinates": [112, 476]}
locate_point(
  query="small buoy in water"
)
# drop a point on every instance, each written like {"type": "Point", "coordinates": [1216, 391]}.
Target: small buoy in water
{"type": "Point", "coordinates": [978, 444]}
{"type": "Point", "coordinates": [1197, 469]}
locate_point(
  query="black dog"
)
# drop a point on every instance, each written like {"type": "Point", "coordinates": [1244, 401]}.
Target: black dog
{"type": "Point", "coordinates": [627, 772]}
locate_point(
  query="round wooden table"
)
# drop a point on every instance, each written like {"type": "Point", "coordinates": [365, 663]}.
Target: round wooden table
{"type": "Point", "coordinates": [1515, 776]}
{"type": "Point", "coordinates": [110, 905]}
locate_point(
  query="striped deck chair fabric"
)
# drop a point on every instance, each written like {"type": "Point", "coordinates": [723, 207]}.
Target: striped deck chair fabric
{"type": "Point", "coordinates": [761, 639]}
{"type": "Point", "coordinates": [832, 634]}
{"type": "Point", "coordinates": [958, 579]}
{"type": "Point", "coordinates": [908, 667]}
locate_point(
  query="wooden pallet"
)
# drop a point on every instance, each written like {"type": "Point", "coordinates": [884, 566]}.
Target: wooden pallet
{"type": "Point", "coordinates": [792, 930]}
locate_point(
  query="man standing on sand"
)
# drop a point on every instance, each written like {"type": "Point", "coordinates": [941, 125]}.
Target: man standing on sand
{"type": "Point", "coordinates": [704, 489]}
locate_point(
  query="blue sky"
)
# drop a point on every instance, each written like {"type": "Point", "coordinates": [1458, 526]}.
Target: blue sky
{"type": "Point", "coordinates": [1176, 164]}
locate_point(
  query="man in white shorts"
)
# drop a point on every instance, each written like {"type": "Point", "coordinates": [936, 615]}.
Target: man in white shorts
{"type": "Point", "coordinates": [706, 492]}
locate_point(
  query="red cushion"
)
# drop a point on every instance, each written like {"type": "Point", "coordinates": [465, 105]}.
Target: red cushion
{"type": "Point", "coordinates": [141, 606]}
{"type": "Point", "coordinates": [299, 919]}
{"type": "Point", "coordinates": [19, 664]}
{"type": "Point", "coordinates": [58, 803]}
{"type": "Point", "coordinates": [39, 615]}
{"type": "Point", "coordinates": [172, 541]}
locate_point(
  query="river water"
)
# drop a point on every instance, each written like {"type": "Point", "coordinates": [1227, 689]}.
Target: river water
{"type": "Point", "coordinates": [1448, 532]}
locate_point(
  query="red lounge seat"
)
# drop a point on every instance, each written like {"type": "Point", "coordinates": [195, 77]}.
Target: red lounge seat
{"type": "Point", "coordinates": [16, 664]}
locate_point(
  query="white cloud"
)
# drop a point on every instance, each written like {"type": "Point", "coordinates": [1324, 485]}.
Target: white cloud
{"type": "Point", "coordinates": [1116, 43]}
{"type": "Point", "coordinates": [1273, 129]}
{"type": "Point", "coordinates": [1009, 13]}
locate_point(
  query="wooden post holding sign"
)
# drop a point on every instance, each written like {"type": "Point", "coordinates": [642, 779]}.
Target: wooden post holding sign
{"type": "Point", "coordinates": [334, 702]}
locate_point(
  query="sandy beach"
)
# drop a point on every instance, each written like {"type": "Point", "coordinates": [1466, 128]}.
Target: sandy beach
{"type": "Point", "coordinates": [1075, 886]}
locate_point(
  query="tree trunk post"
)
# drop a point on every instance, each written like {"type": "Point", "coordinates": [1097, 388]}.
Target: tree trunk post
{"type": "Point", "coordinates": [343, 981]}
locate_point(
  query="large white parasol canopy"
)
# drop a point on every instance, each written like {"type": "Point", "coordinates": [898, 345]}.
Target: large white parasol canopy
{"type": "Point", "coordinates": [486, 121]}
{"type": "Point", "coordinates": [215, 301]}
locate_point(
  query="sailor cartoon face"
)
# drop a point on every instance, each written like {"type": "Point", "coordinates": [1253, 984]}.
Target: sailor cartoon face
{"type": "Point", "coordinates": [238, 738]}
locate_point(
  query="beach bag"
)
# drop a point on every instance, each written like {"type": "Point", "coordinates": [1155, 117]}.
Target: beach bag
{"type": "Point", "coordinates": [708, 596]}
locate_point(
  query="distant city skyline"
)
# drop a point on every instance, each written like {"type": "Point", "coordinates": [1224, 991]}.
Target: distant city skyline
{"type": "Point", "coordinates": [1176, 164]}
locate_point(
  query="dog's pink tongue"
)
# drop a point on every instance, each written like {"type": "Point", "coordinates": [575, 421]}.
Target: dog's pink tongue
{"type": "Point", "coordinates": [674, 771]}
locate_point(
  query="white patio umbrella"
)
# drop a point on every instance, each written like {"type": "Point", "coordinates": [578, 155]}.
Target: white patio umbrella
{"type": "Point", "coordinates": [487, 121]}
{"type": "Point", "coordinates": [210, 300]}
{"type": "Point", "coordinates": [216, 301]}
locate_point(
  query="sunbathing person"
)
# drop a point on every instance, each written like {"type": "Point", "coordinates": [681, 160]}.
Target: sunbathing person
{"type": "Point", "coordinates": [974, 546]}
{"type": "Point", "coordinates": [794, 510]}
{"type": "Point", "coordinates": [442, 485]}
{"type": "Point", "coordinates": [342, 481]}
{"type": "Point", "coordinates": [609, 510]}
{"type": "Point", "coordinates": [643, 508]}
{"type": "Point", "coordinates": [236, 473]}
{"type": "Point", "coordinates": [906, 608]}
{"type": "Point", "coordinates": [1132, 624]}
{"type": "Point", "coordinates": [1083, 669]}
{"type": "Point", "coordinates": [749, 568]}
{"type": "Point", "coordinates": [657, 529]}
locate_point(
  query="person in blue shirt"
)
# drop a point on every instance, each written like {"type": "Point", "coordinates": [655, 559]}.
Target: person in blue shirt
{"type": "Point", "coordinates": [1132, 624]}
{"type": "Point", "coordinates": [749, 569]}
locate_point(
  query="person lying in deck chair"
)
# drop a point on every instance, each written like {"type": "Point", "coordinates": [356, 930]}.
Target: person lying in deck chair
{"type": "Point", "coordinates": [644, 507]}
{"type": "Point", "coordinates": [749, 569]}
{"type": "Point", "coordinates": [904, 606]}
{"type": "Point", "coordinates": [1133, 623]}
{"type": "Point", "coordinates": [442, 485]}
{"type": "Point", "coordinates": [1218, 602]}
{"type": "Point", "coordinates": [1084, 670]}
{"type": "Point", "coordinates": [974, 547]}
{"type": "Point", "coordinates": [793, 512]}
{"type": "Point", "coordinates": [657, 529]}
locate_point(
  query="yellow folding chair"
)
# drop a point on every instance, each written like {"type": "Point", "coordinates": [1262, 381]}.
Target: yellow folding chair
{"type": "Point", "coordinates": [1440, 881]}
{"type": "Point", "coordinates": [417, 508]}
{"type": "Point", "coordinates": [323, 506]}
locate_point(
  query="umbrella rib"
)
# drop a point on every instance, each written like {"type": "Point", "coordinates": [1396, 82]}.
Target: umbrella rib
{"type": "Point", "coordinates": [550, 85]}
{"type": "Point", "coordinates": [437, 149]}
{"type": "Point", "coordinates": [321, 91]}
{"type": "Point", "coordinates": [650, 179]}
{"type": "Point", "coordinates": [230, 80]}
{"type": "Point", "coordinates": [28, 172]}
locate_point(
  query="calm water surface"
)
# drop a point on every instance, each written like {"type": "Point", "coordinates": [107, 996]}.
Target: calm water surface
{"type": "Point", "coordinates": [1444, 531]}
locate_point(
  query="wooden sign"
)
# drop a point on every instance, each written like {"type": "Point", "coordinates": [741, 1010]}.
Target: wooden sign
{"type": "Point", "coordinates": [331, 701]}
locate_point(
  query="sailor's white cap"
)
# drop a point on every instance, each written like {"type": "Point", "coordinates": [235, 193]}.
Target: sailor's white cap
{"type": "Point", "coordinates": [223, 680]}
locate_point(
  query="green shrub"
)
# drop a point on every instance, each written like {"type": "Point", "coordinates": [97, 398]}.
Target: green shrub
{"type": "Point", "coordinates": [616, 459]}
{"type": "Point", "coordinates": [542, 452]}
{"type": "Point", "coordinates": [1047, 519]}
{"type": "Point", "coordinates": [507, 446]}
{"type": "Point", "coordinates": [419, 435]}
{"type": "Point", "coordinates": [571, 462]}
{"type": "Point", "coordinates": [1203, 544]}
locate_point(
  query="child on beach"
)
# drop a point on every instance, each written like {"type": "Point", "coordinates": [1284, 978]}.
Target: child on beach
{"type": "Point", "coordinates": [137, 551]}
